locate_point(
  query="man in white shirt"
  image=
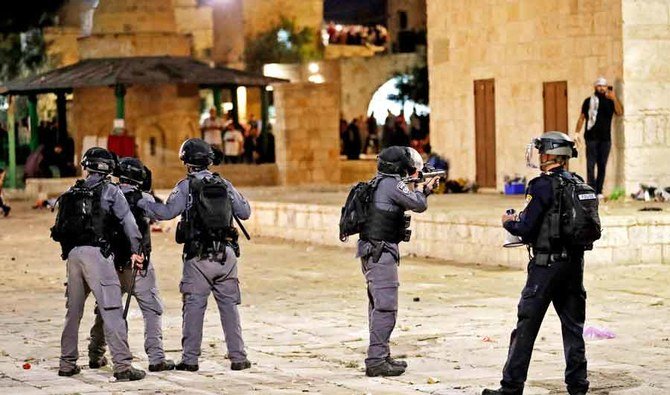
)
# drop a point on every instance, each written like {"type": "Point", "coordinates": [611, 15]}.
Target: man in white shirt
{"type": "Point", "coordinates": [233, 144]}
{"type": "Point", "coordinates": [212, 128]}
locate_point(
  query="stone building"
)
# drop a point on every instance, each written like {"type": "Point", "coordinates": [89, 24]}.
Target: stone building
{"type": "Point", "coordinates": [524, 67]}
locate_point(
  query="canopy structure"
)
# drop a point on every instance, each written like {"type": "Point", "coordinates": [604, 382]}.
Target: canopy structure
{"type": "Point", "coordinates": [134, 71]}
{"type": "Point", "coordinates": [121, 73]}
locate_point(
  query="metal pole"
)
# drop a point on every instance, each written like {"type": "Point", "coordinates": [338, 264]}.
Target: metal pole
{"type": "Point", "coordinates": [11, 132]}
{"type": "Point", "coordinates": [120, 92]}
{"type": "Point", "coordinates": [233, 98]}
{"type": "Point", "coordinates": [34, 122]}
{"type": "Point", "coordinates": [216, 92]}
{"type": "Point", "coordinates": [62, 113]}
{"type": "Point", "coordinates": [265, 118]}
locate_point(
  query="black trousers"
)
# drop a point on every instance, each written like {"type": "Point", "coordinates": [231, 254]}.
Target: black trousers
{"type": "Point", "coordinates": [597, 153]}
{"type": "Point", "coordinates": [560, 283]}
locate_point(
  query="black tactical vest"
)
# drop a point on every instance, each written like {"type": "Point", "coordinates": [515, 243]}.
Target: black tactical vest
{"type": "Point", "coordinates": [120, 242]}
{"type": "Point", "coordinates": [384, 225]}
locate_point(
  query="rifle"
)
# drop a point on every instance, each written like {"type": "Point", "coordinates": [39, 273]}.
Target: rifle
{"type": "Point", "coordinates": [130, 293]}
{"type": "Point", "coordinates": [423, 176]}
{"type": "Point", "coordinates": [244, 230]}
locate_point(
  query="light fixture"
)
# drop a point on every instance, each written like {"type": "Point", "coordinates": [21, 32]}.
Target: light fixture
{"type": "Point", "coordinates": [316, 79]}
{"type": "Point", "coordinates": [313, 68]}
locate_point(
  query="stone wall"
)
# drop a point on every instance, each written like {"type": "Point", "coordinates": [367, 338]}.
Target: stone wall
{"type": "Point", "coordinates": [646, 70]}
{"type": "Point", "coordinates": [155, 113]}
{"type": "Point", "coordinates": [255, 16]}
{"type": "Point", "coordinates": [61, 45]}
{"type": "Point", "coordinates": [353, 171]}
{"type": "Point", "coordinates": [416, 16]}
{"type": "Point", "coordinates": [306, 133]}
{"type": "Point", "coordinates": [643, 239]}
{"type": "Point", "coordinates": [361, 77]}
{"type": "Point", "coordinates": [521, 45]}
{"type": "Point", "coordinates": [198, 22]}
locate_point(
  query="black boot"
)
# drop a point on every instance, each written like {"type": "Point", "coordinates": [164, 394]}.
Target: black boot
{"type": "Point", "coordinates": [97, 363]}
{"type": "Point", "coordinates": [187, 367]}
{"type": "Point", "coordinates": [68, 373]}
{"type": "Point", "coordinates": [503, 391]}
{"type": "Point", "coordinates": [7, 209]}
{"type": "Point", "coordinates": [246, 364]}
{"type": "Point", "coordinates": [131, 374]}
{"type": "Point", "coordinates": [167, 364]}
{"type": "Point", "coordinates": [384, 369]}
{"type": "Point", "coordinates": [396, 362]}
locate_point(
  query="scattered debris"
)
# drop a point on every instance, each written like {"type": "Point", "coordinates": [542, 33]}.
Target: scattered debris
{"type": "Point", "coordinates": [487, 339]}
{"type": "Point", "coordinates": [433, 380]}
{"type": "Point", "coordinates": [416, 299]}
{"type": "Point", "coordinates": [598, 333]}
{"type": "Point", "coordinates": [27, 366]}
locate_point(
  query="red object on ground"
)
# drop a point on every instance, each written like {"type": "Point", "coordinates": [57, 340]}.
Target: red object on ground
{"type": "Point", "coordinates": [121, 145]}
{"type": "Point", "coordinates": [26, 366]}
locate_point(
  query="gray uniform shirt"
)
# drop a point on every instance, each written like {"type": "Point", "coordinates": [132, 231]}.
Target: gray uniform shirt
{"type": "Point", "coordinates": [394, 195]}
{"type": "Point", "coordinates": [113, 201]}
{"type": "Point", "coordinates": [178, 201]}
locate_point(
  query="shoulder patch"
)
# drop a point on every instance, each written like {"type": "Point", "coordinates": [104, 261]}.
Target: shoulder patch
{"type": "Point", "coordinates": [402, 187]}
{"type": "Point", "coordinates": [529, 197]}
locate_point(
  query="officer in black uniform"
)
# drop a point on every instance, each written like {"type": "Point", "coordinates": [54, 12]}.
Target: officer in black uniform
{"type": "Point", "coordinates": [555, 275]}
{"type": "Point", "coordinates": [378, 249]}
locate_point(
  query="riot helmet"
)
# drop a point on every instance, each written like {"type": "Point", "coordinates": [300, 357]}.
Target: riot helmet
{"type": "Point", "coordinates": [99, 160]}
{"type": "Point", "coordinates": [196, 153]}
{"type": "Point", "coordinates": [132, 171]}
{"type": "Point", "coordinates": [550, 143]}
{"type": "Point", "coordinates": [416, 161]}
{"type": "Point", "coordinates": [394, 160]}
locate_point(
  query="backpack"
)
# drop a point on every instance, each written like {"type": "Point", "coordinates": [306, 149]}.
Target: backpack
{"type": "Point", "coordinates": [210, 216]}
{"type": "Point", "coordinates": [356, 209]}
{"type": "Point", "coordinates": [578, 208]}
{"type": "Point", "coordinates": [80, 220]}
{"type": "Point", "coordinates": [119, 241]}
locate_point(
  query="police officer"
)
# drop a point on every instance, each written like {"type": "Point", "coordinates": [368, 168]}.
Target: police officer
{"type": "Point", "coordinates": [555, 274]}
{"type": "Point", "coordinates": [132, 176]}
{"type": "Point", "coordinates": [205, 269]}
{"type": "Point", "coordinates": [378, 250]}
{"type": "Point", "coordinates": [90, 266]}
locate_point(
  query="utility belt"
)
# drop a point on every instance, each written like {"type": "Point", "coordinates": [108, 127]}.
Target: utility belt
{"type": "Point", "coordinates": [547, 258]}
{"type": "Point", "coordinates": [213, 250]}
{"type": "Point", "coordinates": [105, 248]}
{"type": "Point", "coordinates": [376, 250]}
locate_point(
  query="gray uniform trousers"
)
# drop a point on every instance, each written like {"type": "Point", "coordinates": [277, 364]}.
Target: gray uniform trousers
{"type": "Point", "coordinates": [89, 271]}
{"type": "Point", "coordinates": [200, 277]}
{"type": "Point", "coordinates": [382, 281]}
{"type": "Point", "coordinates": [151, 306]}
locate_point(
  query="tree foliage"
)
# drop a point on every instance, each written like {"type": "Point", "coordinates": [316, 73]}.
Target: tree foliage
{"type": "Point", "coordinates": [412, 85]}
{"type": "Point", "coordinates": [283, 43]}
{"type": "Point", "coordinates": [22, 47]}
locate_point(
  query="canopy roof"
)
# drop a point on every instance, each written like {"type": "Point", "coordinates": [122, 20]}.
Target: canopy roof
{"type": "Point", "coordinates": [134, 71]}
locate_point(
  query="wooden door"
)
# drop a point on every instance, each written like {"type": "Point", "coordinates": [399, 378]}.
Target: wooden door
{"type": "Point", "coordinates": [485, 133]}
{"type": "Point", "coordinates": [555, 95]}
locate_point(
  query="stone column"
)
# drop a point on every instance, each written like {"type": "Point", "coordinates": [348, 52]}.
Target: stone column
{"type": "Point", "coordinates": [306, 133]}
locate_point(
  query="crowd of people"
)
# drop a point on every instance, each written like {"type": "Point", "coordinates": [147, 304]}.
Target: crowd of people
{"type": "Point", "coordinates": [395, 131]}
{"type": "Point", "coordinates": [54, 155]}
{"type": "Point", "coordinates": [376, 35]}
{"type": "Point", "coordinates": [238, 143]}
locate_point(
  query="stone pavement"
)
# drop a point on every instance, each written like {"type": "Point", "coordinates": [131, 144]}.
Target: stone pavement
{"type": "Point", "coordinates": [304, 321]}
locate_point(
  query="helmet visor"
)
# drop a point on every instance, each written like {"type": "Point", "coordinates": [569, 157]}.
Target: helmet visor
{"type": "Point", "coordinates": [533, 153]}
